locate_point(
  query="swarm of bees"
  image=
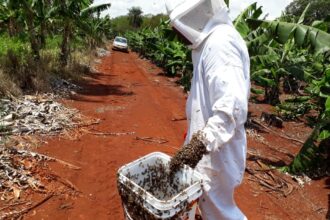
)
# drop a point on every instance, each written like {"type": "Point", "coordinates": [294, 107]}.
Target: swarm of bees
{"type": "Point", "coordinates": [156, 180]}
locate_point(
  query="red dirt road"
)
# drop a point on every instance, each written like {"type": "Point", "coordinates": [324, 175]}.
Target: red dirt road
{"type": "Point", "coordinates": [129, 95]}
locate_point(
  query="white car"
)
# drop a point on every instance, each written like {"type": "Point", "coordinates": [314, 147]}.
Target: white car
{"type": "Point", "coordinates": [120, 43]}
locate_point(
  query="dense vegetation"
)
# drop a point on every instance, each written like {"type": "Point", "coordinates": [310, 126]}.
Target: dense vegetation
{"type": "Point", "coordinates": [286, 58]}
{"type": "Point", "coordinates": [40, 37]}
{"type": "Point", "coordinates": [122, 24]}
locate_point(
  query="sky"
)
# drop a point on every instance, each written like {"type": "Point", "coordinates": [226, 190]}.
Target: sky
{"type": "Point", "coordinates": [120, 7]}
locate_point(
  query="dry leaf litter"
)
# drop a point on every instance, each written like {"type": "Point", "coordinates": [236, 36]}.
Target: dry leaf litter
{"type": "Point", "coordinates": [36, 114]}
{"type": "Point", "coordinates": [17, 173]}
{"type": "Point", "coordinates": [22, 170]}
{"type": "Point", "coordinates": [64, 88]}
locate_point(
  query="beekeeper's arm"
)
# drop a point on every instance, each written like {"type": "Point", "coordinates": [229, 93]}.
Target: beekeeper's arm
{"type": "Point", "coordinates": [226, 84]}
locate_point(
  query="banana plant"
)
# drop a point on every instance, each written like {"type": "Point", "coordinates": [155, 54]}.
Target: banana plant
{"type": "Point", "coordinates": [314, 155]}
{"type": "Point", "coordinates": [177, 58]}
{"type": "Point", "coordinates": [271, 46]}
{"type": "Point", "coordinates": [29, 12]}
{"type": "Point", "coordinates": [283, 50]}
{"type": "Point", "coordinates": [73, 14]}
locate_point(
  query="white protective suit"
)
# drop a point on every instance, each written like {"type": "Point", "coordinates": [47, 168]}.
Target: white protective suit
{"type": "Point", "coordinates": [217, 107]}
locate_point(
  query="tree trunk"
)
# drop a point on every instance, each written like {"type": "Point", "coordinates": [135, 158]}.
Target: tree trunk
{"type": "Point", "coordinates": [35, 46]}
{"type": "Point", "coordinates": [43, 35]}
{"type": "Point", "coordinates": [11, 27]}
{"type": "Point", "coordinates": [64, 54]}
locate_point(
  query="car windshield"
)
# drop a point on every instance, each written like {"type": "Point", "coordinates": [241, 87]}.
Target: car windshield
{"type": "Point", "coordinates": [121, 40]}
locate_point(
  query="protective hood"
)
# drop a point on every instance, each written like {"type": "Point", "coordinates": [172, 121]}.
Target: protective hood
{"type": "Point", "coordinates": [196, 19]}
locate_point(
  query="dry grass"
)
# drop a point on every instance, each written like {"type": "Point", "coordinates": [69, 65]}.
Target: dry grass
{"type": "Point", "coordinates": [25, 73]}
{"type": "Point", "coordinates": [7, 86]}
{"type": "Point", "coordinates": [78, 67]}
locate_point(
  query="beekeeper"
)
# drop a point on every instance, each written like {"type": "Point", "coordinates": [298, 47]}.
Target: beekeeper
{"type": "Point", "coordinates": [217, 105]}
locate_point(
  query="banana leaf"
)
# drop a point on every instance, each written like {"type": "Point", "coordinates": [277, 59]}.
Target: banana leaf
{"type": "Point", "coordinates": [240, 24]}
{"type": "Point", "coordinates": [309, 155]}
{"type": "Point", "coordinates": [302, 34]}
{"type": "Point", "coordinates": [227, 2]}
{"type": "Point", "coordinates": [324, 135]}
{"type": "Point", "coordinates": [302, 17]}
{"type": "Point", "coordinates": [327, 104]}
{"type": "Point", "coordinates": [95, 8]}
{"type": "Point", "coordinates": [257, 91]}
{"type": "Point", "coordinates": [320, 25]}
{"type": "Point", "coordinates": [265, 60]}
{"type": "Point", "coordinates": [258, 40]}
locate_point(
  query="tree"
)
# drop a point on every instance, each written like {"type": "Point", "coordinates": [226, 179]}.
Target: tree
{"type": "Point", "coordinates": [7, 17]}
{"type": "Point", "coordinates": [135, 16]}
{"type": "Point", "coordinates": [120, 25]}
{"type": "Point", "coordinates": [153, 20]}
{"type": "Point", "coordinates": [29, 10]}
{"type": "Point", "coordinates": [73, 15]}
{"type": "Point", "coordinates": [319, 9]}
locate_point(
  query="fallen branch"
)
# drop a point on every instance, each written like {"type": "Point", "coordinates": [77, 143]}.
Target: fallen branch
{"type": "Point", "coordinates": [153, 140]}
{"type": "Point", "coordinates": [271, 180]}
{"type": "Point", "coordinates": [86, 124]}
{"type": "Point", "coordinates": [65, 182]}
{"type": "Point", "coordinates": [12, 205]}
{"type": "Point", "coordinates": [179, 119]}
{"type": "Point", "coordinates": [110, 133]}
{"type": "Point", "coordinates": [278, 134]}
{"type": "Point", "coordinates": [17, 214]}
{"type": "Point", "coordinates": [48, 158]}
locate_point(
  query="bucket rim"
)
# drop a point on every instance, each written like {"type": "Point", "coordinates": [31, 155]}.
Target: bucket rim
{"type": "Point", "coordinates": [192, 192]}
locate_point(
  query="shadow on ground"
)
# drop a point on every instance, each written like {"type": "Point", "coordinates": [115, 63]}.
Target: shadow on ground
{"type": "Point", "coordinates": [279, 163]}
{"type": "Point", "coordinates": [96, 87]}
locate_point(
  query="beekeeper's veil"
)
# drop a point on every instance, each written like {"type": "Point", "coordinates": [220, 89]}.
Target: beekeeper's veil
{"type": "Point", "coordinates": [196, 19]}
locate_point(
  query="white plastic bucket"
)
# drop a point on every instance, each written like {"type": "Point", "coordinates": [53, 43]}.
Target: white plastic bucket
{"type": "Point", "coordinates": [181, 206]}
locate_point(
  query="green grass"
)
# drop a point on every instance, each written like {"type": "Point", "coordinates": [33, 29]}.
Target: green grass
{"type": "Point", "coordinates": [17, 45]}
{"type": "Point", "coordinates": [53, 42]}
{"type": "Point", "coordinates": [20, 46]}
